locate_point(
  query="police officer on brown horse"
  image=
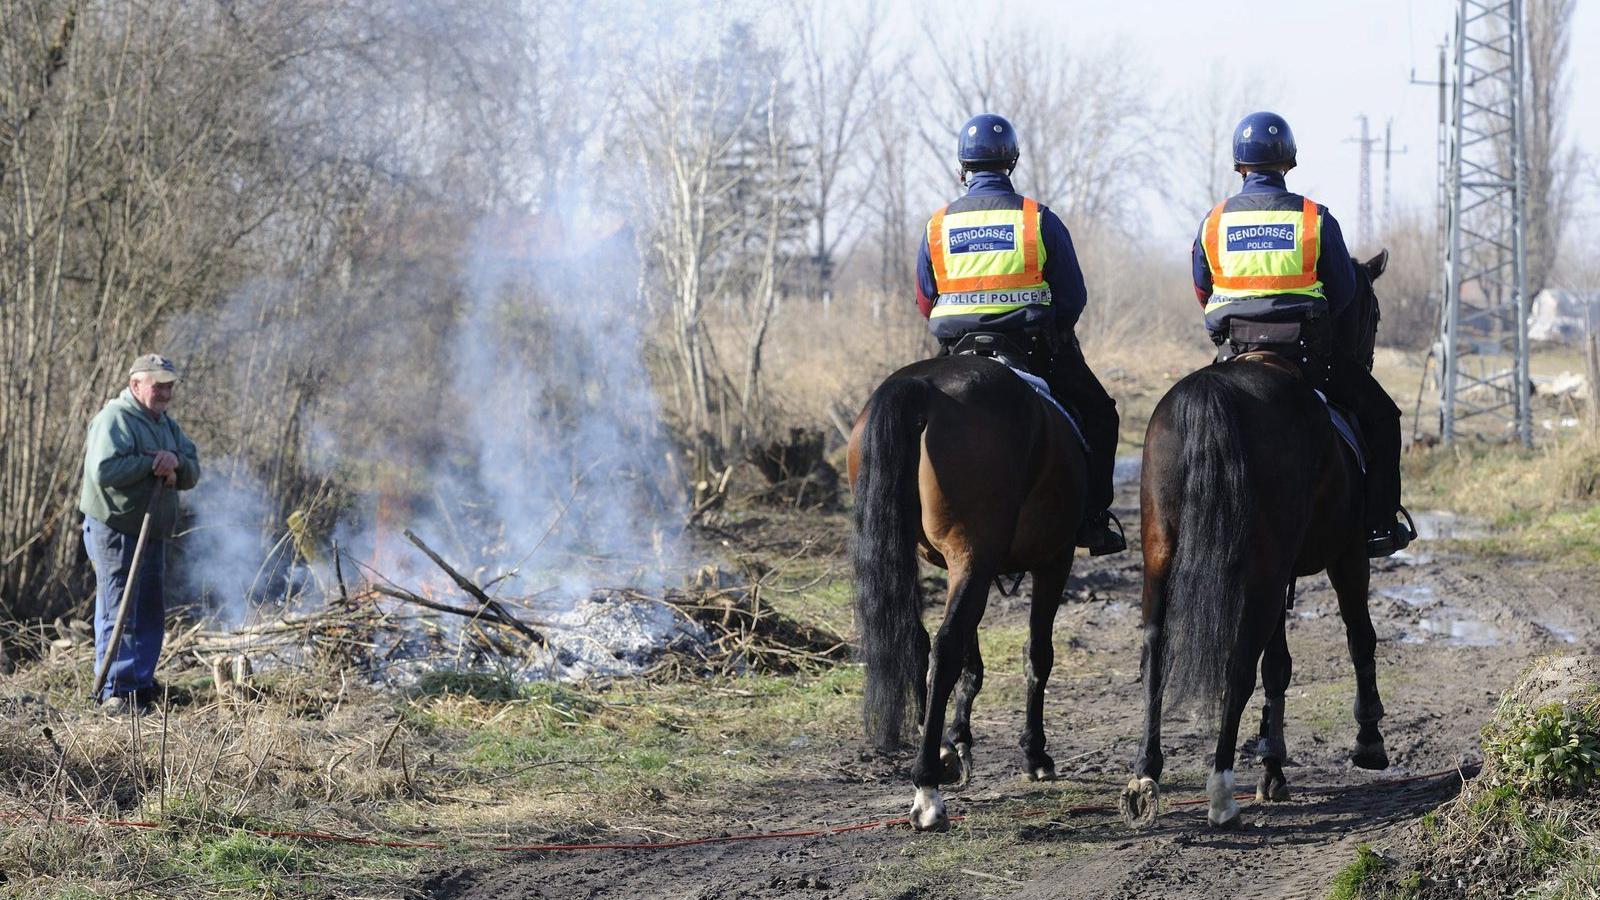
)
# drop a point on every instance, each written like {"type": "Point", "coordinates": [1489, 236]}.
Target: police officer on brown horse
{"type": "Point", "coordinates": [1271, 268]}
{"type": "Point", "coordinates": [998, 263]}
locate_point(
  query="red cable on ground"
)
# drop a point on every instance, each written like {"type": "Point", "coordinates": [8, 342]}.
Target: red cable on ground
{"type": "Point", "coordinates": [331, 837]}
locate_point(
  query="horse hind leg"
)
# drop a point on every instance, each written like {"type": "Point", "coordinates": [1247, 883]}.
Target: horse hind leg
{"type": "Point", "coordinates": [1223, 811]}
{"type": "Point", "coordinates": [955, 755]}
{"type": "Point", "coordinates": [1276, 669]}
{"type": "Point", "coordinates": [1140, 803]}
{"type": "Point", "coordinates": [1351, 577]}
{"type": "Point", "coordinates": [969, 594]}
{"type": "Point", "coordinates": [1039, 659]}
{"type": "Point", "coordinates": [1224, 808]}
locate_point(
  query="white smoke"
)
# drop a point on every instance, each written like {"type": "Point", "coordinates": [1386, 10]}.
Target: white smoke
{"type": "Point", "coordinates": [504, 414]}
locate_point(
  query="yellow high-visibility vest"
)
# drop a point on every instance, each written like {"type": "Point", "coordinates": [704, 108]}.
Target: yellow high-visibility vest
{"type": "Point", "coordinates": [987, 261]}
{"type": "Point", "coordinates": [1262, 253]}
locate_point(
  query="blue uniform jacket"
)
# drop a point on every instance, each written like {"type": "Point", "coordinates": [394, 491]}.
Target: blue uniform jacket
{"type": "Point", "coordinates": [1061, 271]}
{"type": "Point", "coordinates": [1334, 268]}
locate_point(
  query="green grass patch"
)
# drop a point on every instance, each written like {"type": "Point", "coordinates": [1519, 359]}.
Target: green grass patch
{"type": "Point", "coordinates": [1348, 883]}
{"type": "Point", "coordinates": [244, 860]}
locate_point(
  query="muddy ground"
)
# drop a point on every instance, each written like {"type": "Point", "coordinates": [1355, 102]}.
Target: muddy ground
{"type": "Point", "coordinates": [1454, 630]}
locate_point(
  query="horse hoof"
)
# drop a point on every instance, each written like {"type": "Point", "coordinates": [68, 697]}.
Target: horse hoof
{"type": "Point", "coordinates": [1273, 788]}
{"type": "Point", "coordinates": [1041, 768]}
{"type": "Point", "coordinates": [956, 765]}
{"type": "Point", "coordinates": [1231, 823]}
{"type": "Point", "coordinates": [949, 765]}
{"type": "Point", "coordinates": [1224, 810]}
{"type": "Point", "coordinates": [927, 811]}
{"type": "Point", "coordinates": [1370, 756]}
{"type": "Point", "coordinates": [1140, 802]}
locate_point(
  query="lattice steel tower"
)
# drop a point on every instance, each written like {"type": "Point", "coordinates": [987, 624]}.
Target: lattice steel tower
{"type": "Point", "coordinates": [1483, 327]}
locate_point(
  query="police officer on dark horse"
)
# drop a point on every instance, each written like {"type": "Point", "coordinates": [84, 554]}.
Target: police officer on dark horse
{"type": "Point", "coordinates": [963, 460]}
{"type": "Point", "coordinates": [995, 261]}
{"type": "Point", "coordinates": [1268, 255]}
{"type": "Point", "coordinates": [1246, 486]}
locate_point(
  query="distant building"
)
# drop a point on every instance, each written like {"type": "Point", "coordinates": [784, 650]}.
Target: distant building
{"type": "Point", "coordinates": [1558, 316]}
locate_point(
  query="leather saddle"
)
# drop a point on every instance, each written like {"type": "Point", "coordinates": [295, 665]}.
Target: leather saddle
{"type": "Point", "coordinates": [1002, 348]}
{"type": "Point", "coordinates": [1344, 421]}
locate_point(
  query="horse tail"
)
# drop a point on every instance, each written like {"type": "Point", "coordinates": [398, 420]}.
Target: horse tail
{"type": "Point", "coordinates": [1205, 591]}
{"type": "Point", "coordinates": [894, 643]}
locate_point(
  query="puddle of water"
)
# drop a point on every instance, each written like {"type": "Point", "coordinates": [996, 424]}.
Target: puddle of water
{"type": "Point", "coordinates": [1126, 469]}
{"type": "Point", "coordinates": [1410, 557]}
{"type": "Point", "coordinates": [1443, 525]}
{"type": "Point", "coordinates": [1465, 632]}
{"type": "Point", "coordinates": [1411, 594]}
{"type": "Point", "coordinates": [1441, 621]}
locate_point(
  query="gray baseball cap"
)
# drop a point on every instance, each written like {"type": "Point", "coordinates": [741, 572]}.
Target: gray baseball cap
{"type": "Point", "coordinates": [154, 363]}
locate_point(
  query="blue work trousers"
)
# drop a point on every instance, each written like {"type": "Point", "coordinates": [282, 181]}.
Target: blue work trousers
{"type": "Point", "coordinates": [111, 552]}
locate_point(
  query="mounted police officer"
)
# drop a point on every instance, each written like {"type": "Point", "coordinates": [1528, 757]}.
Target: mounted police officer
{"type": "Point", "coordinates": [1271, 266]}
{"type": "Point", "coordinates": [997, 262]}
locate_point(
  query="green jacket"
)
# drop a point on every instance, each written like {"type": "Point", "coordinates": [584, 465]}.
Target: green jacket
{"type": "Point", "coordinates": [117, 479]}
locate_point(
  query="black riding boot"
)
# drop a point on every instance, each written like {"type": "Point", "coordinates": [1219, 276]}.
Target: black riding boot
{"type": "Point", "coordinates": [1379, 418]}
{"type": "Point", "coordinates": [1074, 383]}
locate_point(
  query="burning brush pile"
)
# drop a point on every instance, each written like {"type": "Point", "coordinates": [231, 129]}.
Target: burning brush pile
{"type": "Point", "coordinates": [393, 634]}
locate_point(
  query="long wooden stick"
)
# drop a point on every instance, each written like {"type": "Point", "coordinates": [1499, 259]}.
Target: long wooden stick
{"type": "Point", "coordinates": [497, 613]}
{"type": "Point", "coordinates": [483, 614]}
{"type": "Point", "coordinates": [127, 594]}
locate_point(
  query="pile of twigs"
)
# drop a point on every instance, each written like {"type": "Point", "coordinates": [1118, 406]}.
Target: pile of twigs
{"type": "Point", "coordinates": [748, 633]}
{"type": "Point", "coordinates": [366, 630]}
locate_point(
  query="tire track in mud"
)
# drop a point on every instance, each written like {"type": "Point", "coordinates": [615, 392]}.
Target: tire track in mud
{"type": "Point", "coordinates": [1439, 681]}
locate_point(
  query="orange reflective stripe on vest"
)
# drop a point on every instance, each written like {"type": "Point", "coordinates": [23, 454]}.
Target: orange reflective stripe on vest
{"type": "Point", "coordinates": [1306, 277]}
{"type": "Point", "coordinates": [1030, 276]}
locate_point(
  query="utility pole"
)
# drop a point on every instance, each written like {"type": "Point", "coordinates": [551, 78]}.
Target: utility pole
{"type": "Point", "coordinates": [1483, 331]}
{"type": "Point", "coordinates": [1388, 151]}
{"type": "Point", "coordinates": [1440, 189]}
{"type": "Point", "coordinates": [1366, 143]}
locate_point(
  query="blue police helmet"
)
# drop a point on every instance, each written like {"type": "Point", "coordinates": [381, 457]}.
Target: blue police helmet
{"type": "Point", "coordinates": [987, 141]}
{"type": "Point", "coordinates": [1263, 139]}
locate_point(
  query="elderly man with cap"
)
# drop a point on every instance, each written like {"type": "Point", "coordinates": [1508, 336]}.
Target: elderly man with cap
{"type": "Point", "coordinates": [133, 443]}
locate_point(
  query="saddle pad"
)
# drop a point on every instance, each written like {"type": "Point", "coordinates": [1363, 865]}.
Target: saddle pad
{"type": "Point", "coordinates": [1342, 425]}
{"type": "Point", "coordinates": [1043, 390]}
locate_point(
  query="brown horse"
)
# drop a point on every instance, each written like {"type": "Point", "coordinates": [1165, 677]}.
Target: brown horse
{"type": "Point", "coordinates": [1245, 487]}
{"type": "Point", "coordinates": [957, 459]}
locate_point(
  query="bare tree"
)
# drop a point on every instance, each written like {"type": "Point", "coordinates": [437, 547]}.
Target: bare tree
{"type": "Point", "coordinates": [889, 183]}
{"type": "Point", "coordinates": [688, 121]}
{"type": "Point", "coordinates": [126, 133]}
{"type": "Point", "coordinates": [1552, 165]}
{"type": "Point", "coordinates": [1082, 121]}
{"type": "Point", "coordinates": [832, 95]}
{"type": "Point", "coordinates": [1202, 141]}
{"type": "Point", "coordinates": [781, 198]}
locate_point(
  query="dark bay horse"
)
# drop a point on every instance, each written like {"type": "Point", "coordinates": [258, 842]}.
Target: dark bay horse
{"type": "Point", "coordinates": [959, 460]}
{"type": "Point", "coordinates": [1245, 487]}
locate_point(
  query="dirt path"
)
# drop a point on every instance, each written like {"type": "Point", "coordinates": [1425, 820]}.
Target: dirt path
{"type": "Point", "coordinates": [1453, 633]}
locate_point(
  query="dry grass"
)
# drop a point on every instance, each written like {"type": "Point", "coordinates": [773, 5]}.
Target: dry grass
{"type": "Point", "coordinates": [1540, 502]}
{"type": "Point", "coordinates": [470, 759]}
{"type": "Point", "coordinates": [821, 366]}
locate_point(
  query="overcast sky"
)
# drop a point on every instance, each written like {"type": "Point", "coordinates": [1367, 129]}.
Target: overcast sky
{"type": "Point", "coordinates": [1325, 62]}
